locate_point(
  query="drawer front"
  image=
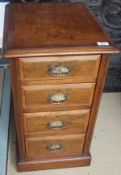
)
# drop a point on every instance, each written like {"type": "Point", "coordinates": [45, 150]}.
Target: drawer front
{"type": "Point", "coordinates": [62, 68]}
{"type": "Point", "coordinates": [55, 97]}
{"type": "Point", "coordinates": [60, 122]}
{"type": "Point", "coordinates": [54, 147]}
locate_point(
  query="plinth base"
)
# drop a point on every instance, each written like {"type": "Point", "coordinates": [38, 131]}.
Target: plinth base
{"type": "Point", "coordinates": [65, 162]}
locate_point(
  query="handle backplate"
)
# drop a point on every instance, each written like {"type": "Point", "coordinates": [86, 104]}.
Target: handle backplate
{"type": "Point", "coordinates": [56, 124]}
{"type": "Point", "coordinates": [58, 98]}
{"type": "Point", "coordinates": [59, 70]}
{"type": "Point", "coordinates": [55, 147]}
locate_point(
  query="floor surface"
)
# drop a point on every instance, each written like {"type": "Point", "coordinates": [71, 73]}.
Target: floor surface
{"type": "Point", "coordinates": [105, 148]}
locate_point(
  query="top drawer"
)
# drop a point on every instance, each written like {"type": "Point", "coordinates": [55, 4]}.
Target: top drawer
{"type": "Point", "coordinates": [60, 68]}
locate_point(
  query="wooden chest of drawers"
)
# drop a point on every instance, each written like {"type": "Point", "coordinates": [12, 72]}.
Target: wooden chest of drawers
{"type": "Point", "coordinates": [59, 56]}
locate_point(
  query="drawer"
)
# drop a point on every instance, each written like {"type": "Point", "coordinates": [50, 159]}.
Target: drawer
{"type": "Point", "coordinates": [54, 147]}
{"type": "Point", "coordinates": [60, 122]}
{"type": "Point", "coordinates": [59, 68]}
{"type": "Point", "coordinates": [56, 97]}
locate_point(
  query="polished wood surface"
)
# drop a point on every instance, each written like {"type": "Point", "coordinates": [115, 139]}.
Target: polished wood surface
{"type": "Point", "coordinates": [96, 101]}
{"type": "Point", "coordinates": [36, 98]}
{"type": "Point", "coordinates": [73, 122]}
{"type": "Point", "coordinates": [62, 162]}
{"type": "Point", "coordinates": [17, 110]}
{"type": "Point", "coordinates": [39, 147]}
{"type": "Point", "coordinates": [58, 70]}
{"type": "Point", "coordinates": [83, 68]}
{"type": "Point", "coordinates": [57, 26]}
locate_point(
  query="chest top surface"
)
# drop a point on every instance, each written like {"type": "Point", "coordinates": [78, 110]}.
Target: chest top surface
{"type": "Point", "coordinates": [56, 27]}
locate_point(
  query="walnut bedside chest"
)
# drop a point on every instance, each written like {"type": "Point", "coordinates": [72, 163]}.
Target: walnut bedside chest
{"type": "Point", "coordinates": [59, 56]}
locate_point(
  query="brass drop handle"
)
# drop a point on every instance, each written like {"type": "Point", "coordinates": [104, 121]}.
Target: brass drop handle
{"type": "Point", "coordinates": [55, 147]}
{"type": "Point", "coordinates": [58, 98]}
{"type": "Point", "coordinates": [59, 70]}
{"type": "Point", "coordinates": [56, 124]}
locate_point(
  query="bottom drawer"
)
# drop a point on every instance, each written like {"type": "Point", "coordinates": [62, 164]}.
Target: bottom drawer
{"type": "Point", "coordinates": [54, 147]}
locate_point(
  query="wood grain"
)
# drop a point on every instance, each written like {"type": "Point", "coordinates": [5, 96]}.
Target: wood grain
{"type": "Point", "coordinates": [38, 147]}
{"type": "Point", "coordinates": [17, 110]}
{"type": "Point", "coordinates": [64, 162]}
{"type": "Point", "coordinates": [96, 101]}
{"type": "Point", "coordinates": [74, 122]}
{"type": "Point", "coordinates": [83, 68]}
{"type": "Point", "coordinates": [36, 98]}
{"type": "Point", "coordinates": [53, 26]}
{"type": "Point", "coordinates": [52, 33]}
